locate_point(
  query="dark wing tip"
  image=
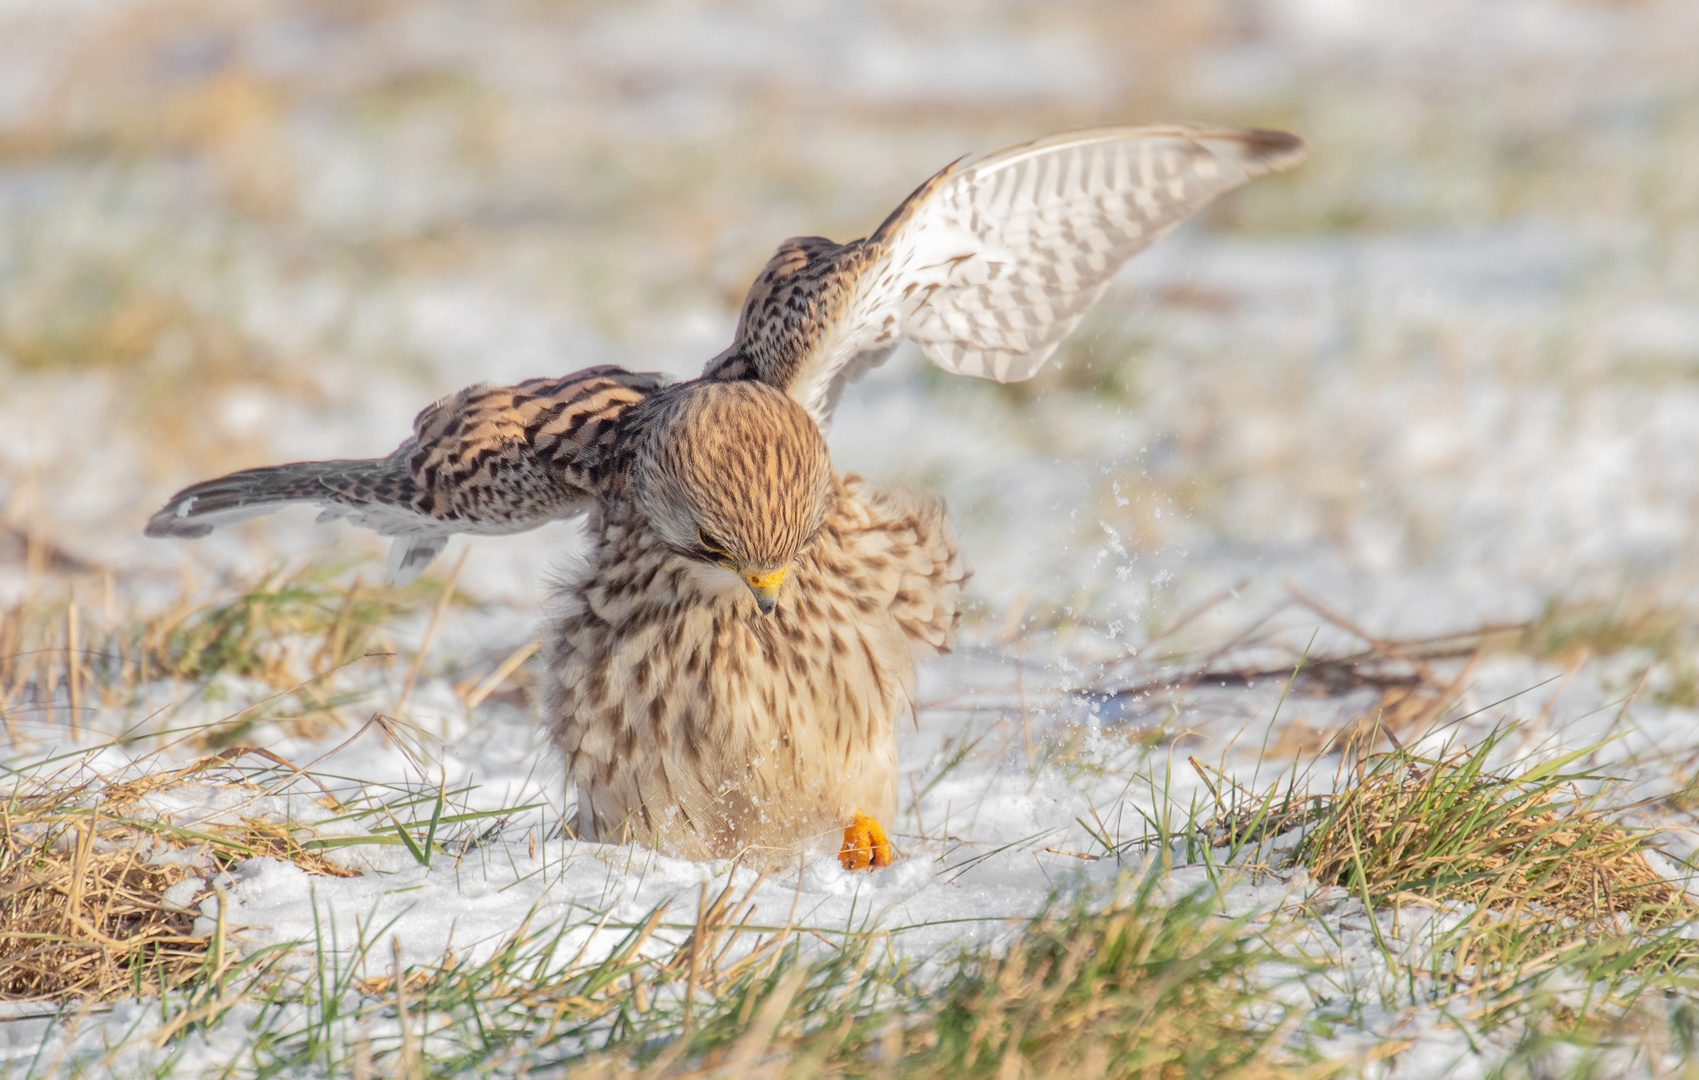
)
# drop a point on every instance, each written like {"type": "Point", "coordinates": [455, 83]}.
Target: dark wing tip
{"type": "Point", "coordinates": [1268, 150]}
{"type": "Point", "coordinates": [168, 522]}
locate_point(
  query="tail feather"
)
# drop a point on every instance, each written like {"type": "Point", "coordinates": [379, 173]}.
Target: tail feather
{"type": "Point", "coordinates": [201, 508]}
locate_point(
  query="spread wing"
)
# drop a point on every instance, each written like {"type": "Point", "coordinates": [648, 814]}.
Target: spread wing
{"type": "Point", "coordinates": [485, 460]}
{"type": "Point", "coordinates": [989, 265]}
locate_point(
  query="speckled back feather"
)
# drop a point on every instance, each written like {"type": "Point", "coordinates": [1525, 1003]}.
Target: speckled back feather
{"type": "Point", "coordinates": [484, 460]}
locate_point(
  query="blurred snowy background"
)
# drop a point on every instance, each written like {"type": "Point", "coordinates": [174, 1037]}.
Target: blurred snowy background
{"type": "Point", "coordinates": [1446, 373]}
{"type": "Point", "coordinates": [1443, 372]}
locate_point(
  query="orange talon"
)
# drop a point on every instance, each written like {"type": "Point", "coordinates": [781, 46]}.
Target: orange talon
{"type": "Point", "coordinates": [865, 844]}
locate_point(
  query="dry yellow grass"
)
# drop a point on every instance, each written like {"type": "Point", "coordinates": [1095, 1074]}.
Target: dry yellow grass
{"type": "Point", "coordinates": [62, 661]}
{"type": "Point", "coordinates": [1534, 871]}
{"type": "Point", "coordinates": [82, 887]}
{"type": "Point", "coordinates": [77, 921]}
{"type": "Point", "coordinates": [1440, 828]}
{"type": "Point", "coordinates": [1142, 987]}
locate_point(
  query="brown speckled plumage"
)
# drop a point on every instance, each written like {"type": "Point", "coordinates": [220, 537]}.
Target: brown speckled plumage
{"type": "Point", "coordinates": [726, 669]}
{"type": "Point", "coordinates": [487, 460]}
{"type": "Point", "coordinates": [693, 723]}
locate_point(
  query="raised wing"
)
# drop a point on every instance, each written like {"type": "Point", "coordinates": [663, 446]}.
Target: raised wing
{"type": "Point", "coordinates": [988, 266]}
{"type": "Point", "coordinates": [485, 460]}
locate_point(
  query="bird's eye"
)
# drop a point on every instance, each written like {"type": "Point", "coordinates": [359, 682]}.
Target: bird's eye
{"type": "Point", "coordinates": [715, 550]}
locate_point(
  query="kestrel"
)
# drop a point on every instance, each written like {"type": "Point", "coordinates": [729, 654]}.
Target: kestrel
{"type": "Point", "coordinates": [726, 669]}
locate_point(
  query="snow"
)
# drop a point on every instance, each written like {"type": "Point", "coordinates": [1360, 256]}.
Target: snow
{"type": "Point", "coordinates": [1443, 418]}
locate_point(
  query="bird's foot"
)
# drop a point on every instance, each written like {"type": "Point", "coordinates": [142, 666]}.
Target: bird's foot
{"type": "Point", "coordinates": [865, 844]}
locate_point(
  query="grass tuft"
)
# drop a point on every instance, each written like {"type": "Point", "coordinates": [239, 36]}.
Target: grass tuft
{"type": "Point", "coordinates": [283, 629]}
{"type": "Point", "coordinates": [83, 912]}
{"type": "Point", "coordinates": [1448, 827]}
{"type": "Point", "coordinates": [292, 631]}
{"type": "Point", "coordinates": [1567, 631]}
{"type": "Point", "coordinates": [1514, 883]}
{"type": "Point", "coordinates": [1572, 632]}
{"type": "Point", "coordinates": [1140, 988]}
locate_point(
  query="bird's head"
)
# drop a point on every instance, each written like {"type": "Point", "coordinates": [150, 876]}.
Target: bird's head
{"type": "Point", "coordinates": [736, 475]}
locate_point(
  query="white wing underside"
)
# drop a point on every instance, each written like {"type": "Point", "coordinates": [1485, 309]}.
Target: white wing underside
{"type": "Point", "coordinates": [999, 261]}
{"type": "Point", "coordinates": [419, 539]}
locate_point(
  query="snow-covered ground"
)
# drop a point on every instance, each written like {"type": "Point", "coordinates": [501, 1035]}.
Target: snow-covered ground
{"type": "Point", "coordinates": [1440, 377]}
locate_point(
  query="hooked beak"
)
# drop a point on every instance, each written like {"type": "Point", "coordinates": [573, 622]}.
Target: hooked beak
{"type": "Point", "coordinates": [766, 588]}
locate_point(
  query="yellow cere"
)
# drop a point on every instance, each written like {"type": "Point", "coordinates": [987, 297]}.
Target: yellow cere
{"type": "Point", "coordinates": [766, 582]}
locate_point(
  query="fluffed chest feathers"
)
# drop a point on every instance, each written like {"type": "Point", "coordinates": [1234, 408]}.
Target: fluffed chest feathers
{"type": "Point", "coordinates": [689, 718]}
